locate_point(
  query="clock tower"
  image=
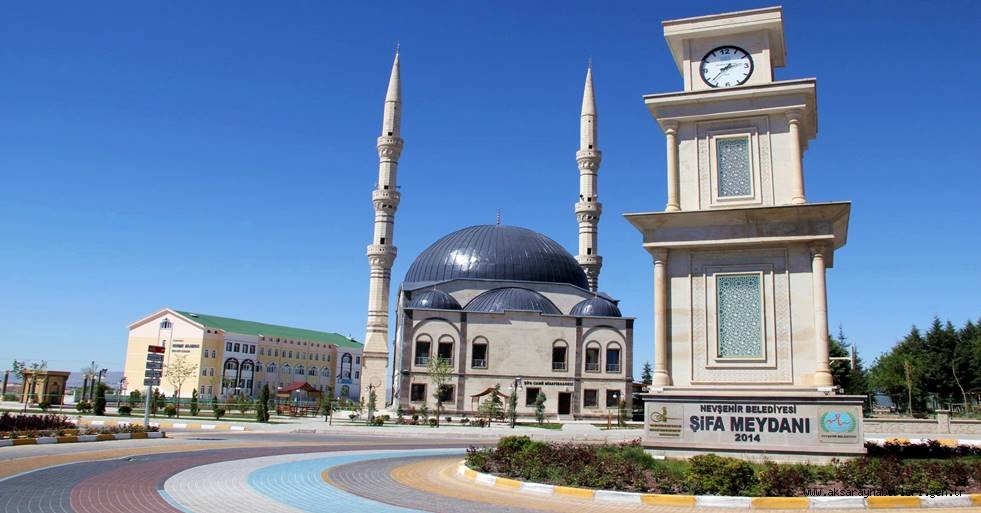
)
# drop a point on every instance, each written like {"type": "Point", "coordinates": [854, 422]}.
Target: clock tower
{"type": "Point", "coordinates": [740, 254]}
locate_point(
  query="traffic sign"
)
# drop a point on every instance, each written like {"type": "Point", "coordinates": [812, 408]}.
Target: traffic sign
{"type": "Point", "coordinates": [151, 382]}
{"type": "Point", "coordinates": [156, 349]}
{"type": "Point", "coordinates": [153, 374]}
{"type": "Point", "coordinates": [154, 365]}
{"type": "Point", "coordinates": [154, 357]}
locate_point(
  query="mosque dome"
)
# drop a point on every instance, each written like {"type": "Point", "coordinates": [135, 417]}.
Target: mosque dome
{"type": "Point", "coordinates": [496, 252]}
{"type": "Point", "coordinates": [511, 298]}
{"type": "Point", "coordinates": [434, 300]}
{"type": "Point", "coordinates": [595, 307]}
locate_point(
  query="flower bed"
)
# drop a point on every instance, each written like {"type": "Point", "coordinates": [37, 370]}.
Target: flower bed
{"type": "Point", "coordinates": [36, 426]}
{"type": "Point", "coordinates": [891, 469]}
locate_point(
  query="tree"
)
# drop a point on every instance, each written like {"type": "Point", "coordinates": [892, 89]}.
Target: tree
{"type": "Point", "coordinates": [327, 405]}
{"type": "Point", "coordinates": [194, 402]}
{"type": "Point", "coordinates": [493, 407]}
{"type": "Point", "coordinates": [908, 369]}
{"type": "Point", "coordinates": [889, 372]}
{"type": "Point", "coordinates": [89, 372]}
{"type": "Point", "coordinates": [513, 407]}
{"type": "Point", "coordinates": [262, 405]}
{"type": "Point", "coordinates": [540, 407]}
{"type": "Point", "coordinates": [99, 408]}
{"type": "Point", "coordinates": [135, 397]}
{"type": "Point", "coordinates": [647, 374]}
{"type": "Point", "coordinates": [372, 403]}
{"type": "Point", "coordinates": [19, 368]}
{"type": "Point", "coordinates": [439, 370]}
{"type": "Point", "coordinates": [177, 372]}
{"type": "Point", "coordinates": [852, 380]}
{"type": "Point", "coordinates": [214, 404]}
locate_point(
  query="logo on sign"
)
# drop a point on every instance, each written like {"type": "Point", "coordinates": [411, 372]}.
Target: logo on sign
{"type": "Point", "coordinates": [837, 422]}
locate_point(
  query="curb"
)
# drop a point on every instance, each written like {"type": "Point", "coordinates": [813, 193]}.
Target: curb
{"type": "Point", "coordinates": [104, 437]}
{"type": "Point", "coordinates": [719, 501]}
{"type": "Point", "coordinates": [169, 425]}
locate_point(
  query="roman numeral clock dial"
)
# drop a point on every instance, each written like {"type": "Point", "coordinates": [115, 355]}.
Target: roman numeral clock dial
{"type": "Point", "coordinates": [726, 66]}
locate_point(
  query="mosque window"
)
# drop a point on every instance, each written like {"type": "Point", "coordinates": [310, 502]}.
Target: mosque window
{"type": "Point", "coordinates": [739, 300]}
{"type": "Point", "coordinates": [560, 353]}
{"type": "Point", "coordinates": [735, 170]}
{"type": "Point", "coordinates": [422, 351]}
{"type": "Point", "coordinates": [590, 398]}
{"type": "Point", "coordinates": [478, 359]}
{"type": "Point", "coordinates": [613, 357]}
{"type": "Point", "coordinates": [445, 350]}
{"type": "Point", "coordinates": [593, 357]}
{"type": "Point", "coordinates": [417, 392]}
{"type": "Point", "coordinates": [531, 395]}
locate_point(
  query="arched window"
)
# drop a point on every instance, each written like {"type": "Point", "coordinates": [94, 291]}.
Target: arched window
{"type": "Point", "coordinates": [424, 346]}
{"type": "Point", "coordinates": [478, 353]}
{"type": "Point", "coordinates": [613, 357]}
{"type": "Point", "coordinates": [325, 372]}
{"type": "Point", "coordinates": [560, 356]}
{"type": "Point", "coordinates": [231, 364]}
{"type": "Point", "coordinates": [312, 371]}
{"type": "Point", "coordinates": [258, 367]}
{"type": "Point", "coordinates": [445, 349]}
{"type": "Point", "coordinates": [593, 357]}
{"type": "Point", "coordinates": [346, 363]}
{"type": "Point", "coordinates": [299, 370]}
{"type": "Point", "coordinates": [286, 369]}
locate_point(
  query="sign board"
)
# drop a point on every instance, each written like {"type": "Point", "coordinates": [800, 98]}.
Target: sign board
{"type": "Point", "coordinates": [151, 382]}
{"type": "Point", "coordinates": [154, 365]}
{"type": "Point", "coordinates": [155, 358]}
{"type": "Point", "coordinates": [156, 349]}
{"type": "Point", "coordinates": [753, 424]}
{"type": "Point", "coordinates": [153, 374]}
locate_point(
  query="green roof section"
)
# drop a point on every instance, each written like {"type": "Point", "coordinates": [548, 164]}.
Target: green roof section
{"type": "Point", "coordinates": [270, 330]}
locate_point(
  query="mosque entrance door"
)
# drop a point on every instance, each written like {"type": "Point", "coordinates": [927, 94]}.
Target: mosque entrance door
{"type": "Point", "coordinates": [565, 403]}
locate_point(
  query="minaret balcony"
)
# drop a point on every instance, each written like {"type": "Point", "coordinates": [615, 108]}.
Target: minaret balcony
{"type": "Point", "coordinates": [589, 159]}
{"type": "Point", "coordinates": [385, 199]}
{"type": "Point", "coordinates": [382, 254]}
{"type": "Point", "coordinates": [589, 260]}
{"type": "Point", "coordinates": [589, 208]}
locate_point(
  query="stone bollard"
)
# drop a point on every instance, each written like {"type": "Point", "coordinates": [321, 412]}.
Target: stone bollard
{"type": "Point", "coordinates": [943, 421]}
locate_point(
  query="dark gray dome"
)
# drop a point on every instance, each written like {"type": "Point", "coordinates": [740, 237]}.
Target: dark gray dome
{"type": "Point", "coordinates": [495, 252]}
{"type": "Point", "coordinates": [596, 307]}
{"type": "Point", "coordinates": [511, 298]}
{"type": "Point", "coordinates": [434, 300]}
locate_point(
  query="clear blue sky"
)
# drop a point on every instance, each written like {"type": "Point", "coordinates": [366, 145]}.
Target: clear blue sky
{"type": "Point", "coordinates": [219, 156]}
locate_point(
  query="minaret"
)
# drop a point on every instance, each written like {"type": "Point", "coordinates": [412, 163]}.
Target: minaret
{"type": "Point", "coordinates": [381, 251]}
{"type": "Point", "coordinates": [588, 209]}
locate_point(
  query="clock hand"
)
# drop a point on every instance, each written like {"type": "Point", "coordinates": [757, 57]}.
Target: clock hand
{"type": "Point", "coordinates": [723, 70]}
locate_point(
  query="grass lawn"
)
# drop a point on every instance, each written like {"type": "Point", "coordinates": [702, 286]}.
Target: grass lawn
{"type": "Point", "coordinates": [546, 425]}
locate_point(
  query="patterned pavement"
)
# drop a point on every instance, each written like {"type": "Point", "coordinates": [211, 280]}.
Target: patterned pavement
{"type": "Point", "coordinates": [285, 475]}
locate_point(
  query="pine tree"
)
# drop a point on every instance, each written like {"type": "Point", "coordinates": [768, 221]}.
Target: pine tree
{"type": "Point", "coordinates": [540, 407]}
{"type": "Point", "coordinates": [194, 402]}
{"type": "Point", "coordinates": [647, 374]}
{"type": "Point", "coordinates": [262, 405]}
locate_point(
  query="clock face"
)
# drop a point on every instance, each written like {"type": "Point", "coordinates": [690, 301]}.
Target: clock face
{"type": "Point", "coordinates": [726, 66]}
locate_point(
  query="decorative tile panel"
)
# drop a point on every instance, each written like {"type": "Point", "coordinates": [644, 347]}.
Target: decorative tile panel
{"type": "Point", "coordinates": [734, 167]}
{"type": "Point", "coordinates": [740, 315]}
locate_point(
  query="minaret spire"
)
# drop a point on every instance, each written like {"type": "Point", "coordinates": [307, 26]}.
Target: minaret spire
{"type": "Point", "coordinates": [588, 208]}
{"type": "Point", "coordinates": [382, 251]}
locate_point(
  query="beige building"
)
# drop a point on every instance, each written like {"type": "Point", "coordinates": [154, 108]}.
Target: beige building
{"type": "Point", "coordinates": [232, 356]}
{"type": "Point", "coordinates": [45, 384]}
{"type": "Point", "coordinates": [739, 253]}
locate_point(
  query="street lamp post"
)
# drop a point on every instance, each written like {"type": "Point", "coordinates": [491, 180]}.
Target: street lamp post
{"type": "Point", "coordinates": [515, 388]}
{"type": "Point", "coordinates": [609, 414]}
{"type": "Point", "coordinates": [371, 409]}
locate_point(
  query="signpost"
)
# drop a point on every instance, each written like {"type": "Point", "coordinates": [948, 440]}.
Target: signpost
{"type": "Point", "coordinates": [154, 370]}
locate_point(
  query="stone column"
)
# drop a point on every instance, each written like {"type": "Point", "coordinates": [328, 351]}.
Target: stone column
{"type": "Point", "coordinates": [674, 178]}
{"type": "Point", "coordinates": [822, 374]}
{"type": "Point", "coordinates": [796, 159]}
{"type": "Point", "coordinates": [661, 374]}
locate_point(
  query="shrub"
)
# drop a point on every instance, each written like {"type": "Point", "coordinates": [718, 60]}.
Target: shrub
{"type": "Point", "coordinates": [44, 405]}
{"type": "Point", "coordinates": [432, 422]}
{"type": "Point", "coordinates": [10, 422]}
{"type": "Point", "coordinates": [377, 421]}
{"type": "Point", "coordinates": [170, 410]}
{"type": "Point", "coordinates": [83, 406]}
{"type": "Point", "coordinates": [709, 474]}
{"type": "Point", "coordinates": [785, 480]}
{"type": "Point", "coordinates": [195, 408]}
{"type": "Point", "coordinates": [10, 397]}
{"type": "Point", "coordinates": [125, 410]}
{"type": "Point", "coordinates": [219, 413]}
{"type": "Point", "coordinates": [415, 417]}
{"type": "Point", "coordinates": [448, 419]}
{"type": "Point", "coordinates": [464, 421]}
{"type": "Point", "coordinates": [352, 416]}
{"type": "Point", "coordinates": [99, 408]}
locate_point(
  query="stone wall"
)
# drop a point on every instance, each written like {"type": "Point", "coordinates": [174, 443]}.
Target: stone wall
{"type": "Point", "coordinates": [943, 424]}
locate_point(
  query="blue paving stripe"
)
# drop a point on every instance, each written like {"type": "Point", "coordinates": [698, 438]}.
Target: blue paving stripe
{"type": "Point", "coordinates": [299, 484]}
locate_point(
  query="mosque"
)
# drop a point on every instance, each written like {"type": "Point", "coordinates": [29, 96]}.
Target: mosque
{"type": "Point", "coordinates": [503, 305]}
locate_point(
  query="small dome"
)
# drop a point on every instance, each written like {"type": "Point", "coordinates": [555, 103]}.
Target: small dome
{"type": "Point", "coordinates": [433, 299]}
{"type": "Point", "coordinates": [511, 298]}
{"type": "Point", "coordinates": [596, 307]}
{"type": "Point", "coordinates": [499, 253]}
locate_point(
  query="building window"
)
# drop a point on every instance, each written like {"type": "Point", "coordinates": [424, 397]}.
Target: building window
{"type": "Point", "coordinates": [204, 372]}
{"type": "Point", "coordinates": [422, 352]}
{"type": "Point", "coordinates": [252, 349]}
{"type": "Point", "coordinates": [531, 394]}
{"type": "Point", "coordinates": [325, 373]}
{"type": "Point", "coordinates": [237, 347]}
{"type": "Point", "coordinates": [740, 315]}
{"type": "Point", "coordinates": [166, 324]}
{"type": "Point", "coordinates": [734, 166]}
{"type": "Point", "coordinates": [612, 398]}
{"type": "Point", "coordinates": [445, 351]}
{"type": "Point", "coordinates": [262, 352]}
{"type": "Point", "coordinates": [447, 393]}
{"type": "Point", "coordinates": [299, 370]}
{"type": "Point", "coordinates": [291, 354]}
{"type": "Point", "coordinates": [613, 357]}
{"type": "Point", "coordinates": [211, 371]}
{"type": "Point", "coordinates": [286, 369]}
{"type": "Point", "coordinates": [590, 398]}
{"type": "Point", "coordinates": [276, 352]}
{"type": "Point", "coordinates": [593, 358]}
{"type": "Point", "coordinates": [418, 392]}
{"type": "Point", "coordinates": [228, 346]}
{"type": "Point", "coordinates": [357, 374]}
{"type": "Point", "coordinates": [560, 352]}
{"type": "Point", "coordinates": [312, 371]}
{"type": "Point", "coordinates": [357, 360]}
{"type": "Point", "coordinates": [478, 359]}
{"type": "Point", "coordinates": [271, 369]}
{"type": "Point", "coordinates": [346, 366]}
